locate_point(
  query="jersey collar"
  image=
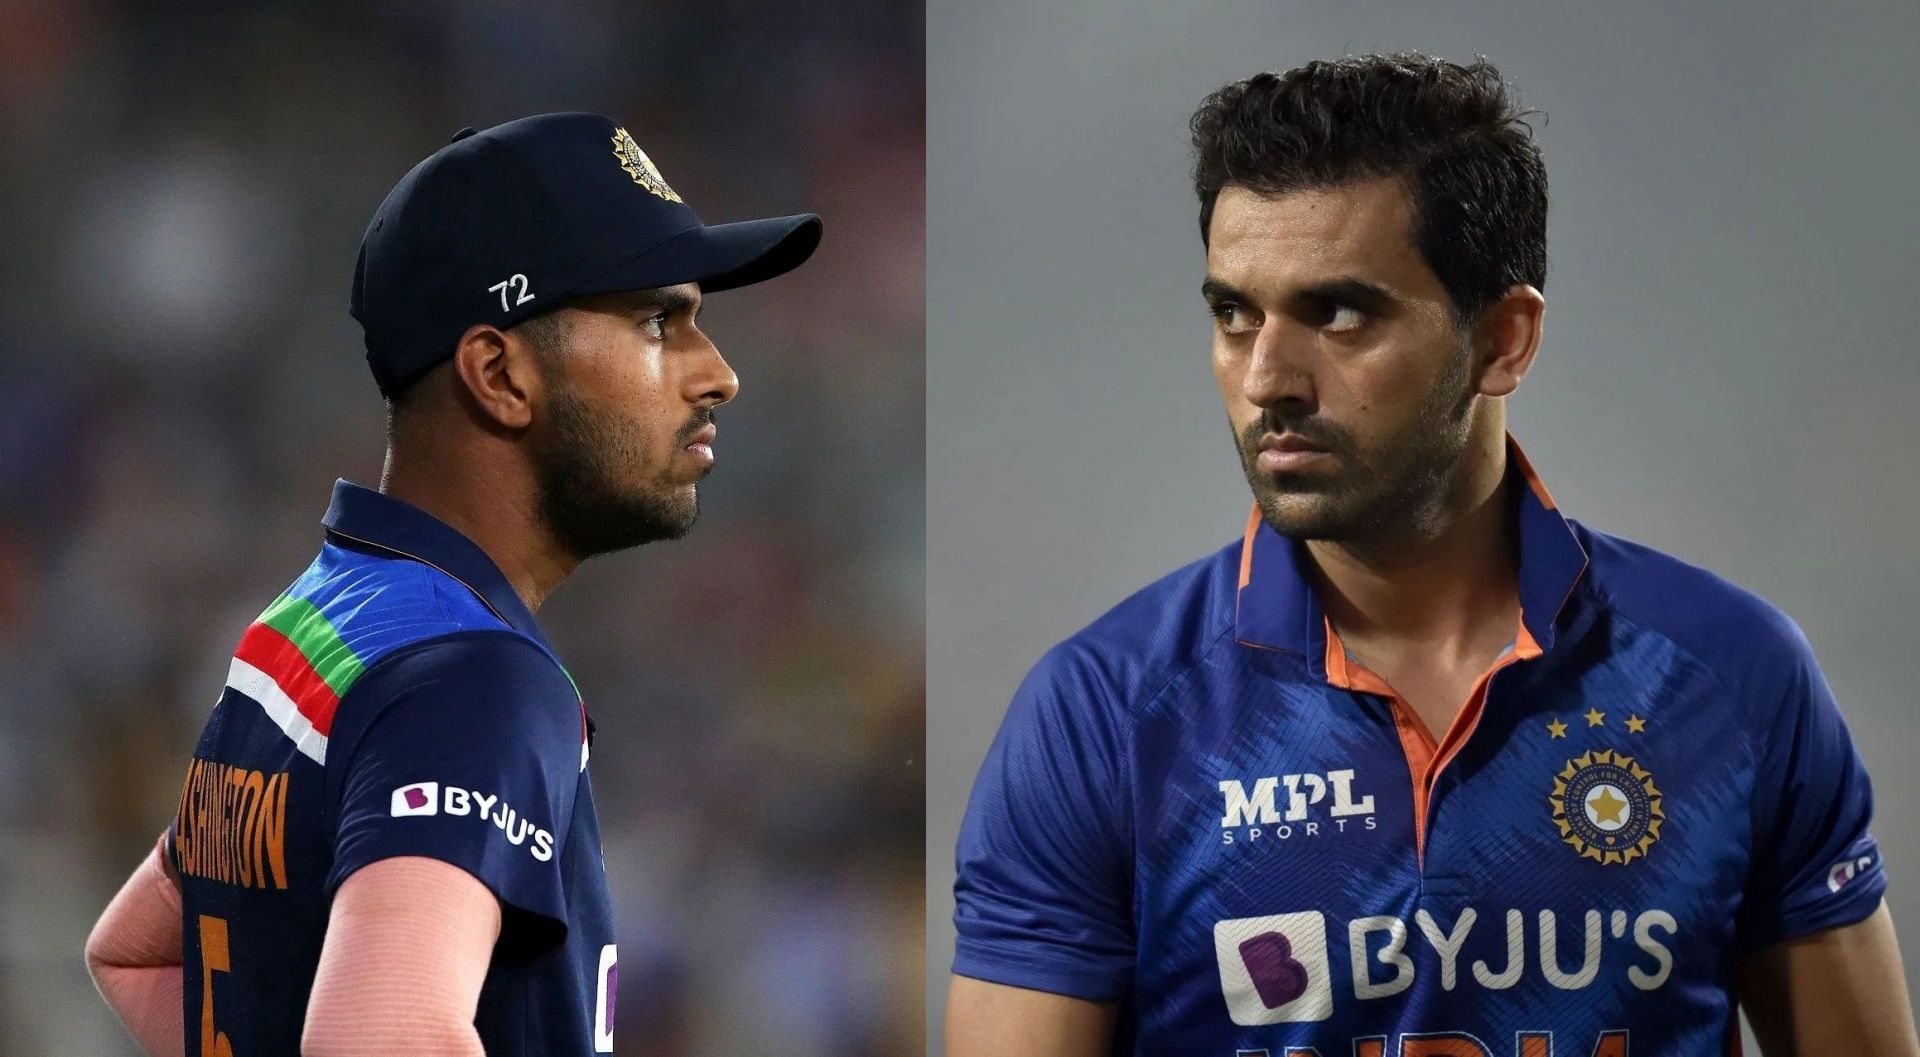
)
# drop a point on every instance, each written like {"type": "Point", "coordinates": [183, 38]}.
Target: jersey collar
{"type": "Point", "coordinates": [373, 519]}
{"type": "Point", "coordinates": [1278, 609]}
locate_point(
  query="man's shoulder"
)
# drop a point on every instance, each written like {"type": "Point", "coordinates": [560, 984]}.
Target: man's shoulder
{"type": "Point", "coordinates": [1153, 634]}
{"type": "Point", "coordinates": [388, 628]}
{"type": "Point", "coordinates": [1725, 625]}
{"type": "Point", "coordinates": [492, 691]}
{"type": "Point", "coordinates": [377, 603]}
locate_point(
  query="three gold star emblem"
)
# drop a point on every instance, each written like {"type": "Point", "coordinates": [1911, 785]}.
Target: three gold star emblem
{"type": "Point", "coordinates": [1595, 718]}
{"type": "Point", "coordinates": [1605, 804]}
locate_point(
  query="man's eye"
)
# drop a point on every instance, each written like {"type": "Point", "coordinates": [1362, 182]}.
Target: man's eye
{"type": "Point", "coordinates": [655, 326]}
{"type": "Point", "coordinates": [1344, 317]}
{"type": "Point", "coordinates": [1233, 319]}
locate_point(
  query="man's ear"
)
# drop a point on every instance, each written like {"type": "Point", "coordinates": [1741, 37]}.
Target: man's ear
{"type": "Point", "coordinates": [499, 376]}
{"type": "Point", "coordinates": [1506, 338]}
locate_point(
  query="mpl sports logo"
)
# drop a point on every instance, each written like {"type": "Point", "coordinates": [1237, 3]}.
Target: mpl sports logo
{"type": "Point", "coordinates": [1275, 969]}
{"type": "Point", "coordinates": [1252, 816]}
{"type": "Point", "coordinates": [428, 798]}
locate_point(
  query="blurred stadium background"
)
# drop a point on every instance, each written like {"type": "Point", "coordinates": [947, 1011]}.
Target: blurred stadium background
{"type": "Point", "coordinates": [185, 186]}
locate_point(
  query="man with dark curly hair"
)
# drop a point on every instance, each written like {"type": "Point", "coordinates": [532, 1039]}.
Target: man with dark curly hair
{"type": "Point", "coordinates": [1418, 765]}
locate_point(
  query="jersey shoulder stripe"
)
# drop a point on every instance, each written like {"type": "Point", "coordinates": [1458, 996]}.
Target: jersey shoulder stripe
{"type": "Point", "coordinates": [348, 610]}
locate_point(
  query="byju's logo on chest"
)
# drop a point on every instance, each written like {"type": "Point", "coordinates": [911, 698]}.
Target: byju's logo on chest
{"type": "Point", "coordinates": [1313, 804]}
{"type": "Point", "coordinates": [1273, 969]}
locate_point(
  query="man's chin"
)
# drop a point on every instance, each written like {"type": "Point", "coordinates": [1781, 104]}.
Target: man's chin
{"type": "Point", "coordinates": [588, 530]}
{"type": "Point", "coordinates": [1304, 516]}
{"type": "Point", "coordinates": [673, 518]}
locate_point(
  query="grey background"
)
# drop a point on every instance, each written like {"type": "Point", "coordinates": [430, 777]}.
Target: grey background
{"type": "Point", "coordinates": [1726, 375]}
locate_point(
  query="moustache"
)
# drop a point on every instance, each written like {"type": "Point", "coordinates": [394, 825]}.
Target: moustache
{"type": "Point", "coordinates": [1318, 433]}
{"type": "Point", "coordinates": [702, 418]}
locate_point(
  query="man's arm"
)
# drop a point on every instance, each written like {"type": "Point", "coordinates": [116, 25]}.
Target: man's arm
{"type": "Point", "coordinates": [994, 1020]}
{"type": "Point", "coordinates": [134, 955]}
{"type": "Point", "coordinates": [1043, 887]}
{"type": "Point", "coordinates": [422, 899]}
{"type": "Point", "coordinates": [408, 944]}
{"type": "Point", "coordinates": [1838, 991]}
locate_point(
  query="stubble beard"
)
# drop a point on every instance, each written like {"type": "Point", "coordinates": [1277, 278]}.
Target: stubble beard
{"type": "Point", "coordinates": [581, 500]}
{"type": "Point", "coordinates": [1396, 490]}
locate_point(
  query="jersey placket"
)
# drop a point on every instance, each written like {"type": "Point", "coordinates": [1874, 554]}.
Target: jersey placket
{"type": "Point", "coordinates": [1426, 758]}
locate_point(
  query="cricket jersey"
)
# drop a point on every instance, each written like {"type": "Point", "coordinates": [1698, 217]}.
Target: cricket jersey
{"type": "Point", "coordinates": [397, 699]}
{"type": "Point", "coordinates": [1204, 809]}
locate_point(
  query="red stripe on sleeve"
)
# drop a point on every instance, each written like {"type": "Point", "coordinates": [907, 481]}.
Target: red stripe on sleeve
{"type": "Point", "coordinates": [275, 654]}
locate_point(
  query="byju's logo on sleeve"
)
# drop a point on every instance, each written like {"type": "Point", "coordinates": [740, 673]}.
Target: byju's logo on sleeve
{"type": "Point", "coordinates": [1273, 970]}
{"type": "Point", "coordinates": [420, 798]}
{"type": "Point", "coordinates": [1843, 873]}
{"type": "Point", "coordinates": [428, 798]}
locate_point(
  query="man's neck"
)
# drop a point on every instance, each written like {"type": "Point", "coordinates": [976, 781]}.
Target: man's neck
{"type": "Point", "coordinates": [493, 511]}
{"type": "Point", "coordinates": [1446, 588]}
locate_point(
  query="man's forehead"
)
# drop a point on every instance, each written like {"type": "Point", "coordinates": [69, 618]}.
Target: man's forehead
{"type": "Point", "coordinates": [1295, 237]}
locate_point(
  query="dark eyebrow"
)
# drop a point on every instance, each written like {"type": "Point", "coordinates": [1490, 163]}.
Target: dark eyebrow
{"type": "Point", "coordinates": [1359, 293]}
{"type": "Point", "coordinates": [670, 300]}
{"type": "Point", "coordinates": [1216, 290]}
{"type": "Point", "coordinates": [1347, 290]}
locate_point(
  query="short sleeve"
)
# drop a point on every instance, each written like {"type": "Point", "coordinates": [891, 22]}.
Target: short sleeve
{"type": "Point", "coordinates": [466, 750]}
{"type": "Point", "coordinates": [1044, 885]}
{"type": "Point", "coordinates": [1814, 864]}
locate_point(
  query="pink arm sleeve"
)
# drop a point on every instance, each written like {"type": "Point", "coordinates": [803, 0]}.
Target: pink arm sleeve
{"type": "Point", "coordinates": [408, 945]}
{"type": "Point", "coordinates": [134, 956]}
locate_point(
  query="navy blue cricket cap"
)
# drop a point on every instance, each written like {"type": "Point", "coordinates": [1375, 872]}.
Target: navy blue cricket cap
{"type": "Point", "coordinates": [501, 225]}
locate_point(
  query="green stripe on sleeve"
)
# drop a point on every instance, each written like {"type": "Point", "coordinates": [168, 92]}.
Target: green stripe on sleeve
{"type": "Point", "coordinates": [317, 640]}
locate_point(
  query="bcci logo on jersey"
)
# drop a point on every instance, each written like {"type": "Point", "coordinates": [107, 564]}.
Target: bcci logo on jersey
{"type": "Point", "coordinates": [1606, 807]}
{"type": "Point", "coordinates": [1253, 815]}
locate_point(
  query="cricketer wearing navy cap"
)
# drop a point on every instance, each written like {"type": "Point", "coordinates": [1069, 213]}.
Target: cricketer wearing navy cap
{"type": "Point", "coordinates": [498, 226]}
{"type": "Point", "coordinates": [386, 839]}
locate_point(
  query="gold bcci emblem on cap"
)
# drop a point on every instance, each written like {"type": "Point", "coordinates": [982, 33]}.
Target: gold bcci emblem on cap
{"type": "Point", "coordinates": [1606, 807]}
{"type": "Point", "coordinates": [639, 166]}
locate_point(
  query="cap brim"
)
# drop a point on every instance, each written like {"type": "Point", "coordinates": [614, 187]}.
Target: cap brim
{"type": "Point", "coordinates": [717, 256]}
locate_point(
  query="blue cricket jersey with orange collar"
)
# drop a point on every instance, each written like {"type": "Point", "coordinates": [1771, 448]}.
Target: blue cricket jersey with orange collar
{"type": "Point", "coordinates": [397, 699]}
{"type": "Point", "coordinates": [1201, 808]}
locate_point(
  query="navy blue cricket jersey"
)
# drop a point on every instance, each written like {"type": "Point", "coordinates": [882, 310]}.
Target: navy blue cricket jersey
{"type": "Point", "coordinates": [398, 699]}
{"type": "Point", "coordinates": [1204, 809]}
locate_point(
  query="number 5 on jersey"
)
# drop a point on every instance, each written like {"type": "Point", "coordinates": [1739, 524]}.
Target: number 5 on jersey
{"type": "Point", "coordinates": [213, 959]}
